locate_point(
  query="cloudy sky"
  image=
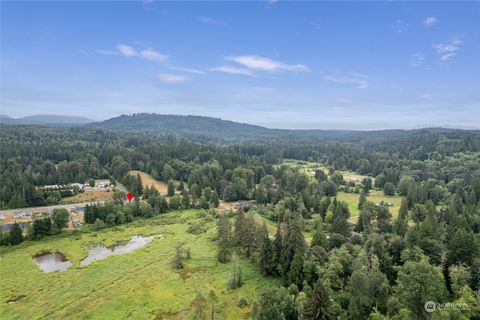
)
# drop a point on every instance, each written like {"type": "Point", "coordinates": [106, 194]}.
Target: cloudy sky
{"type": "Point", "coordinates": [324, 65]}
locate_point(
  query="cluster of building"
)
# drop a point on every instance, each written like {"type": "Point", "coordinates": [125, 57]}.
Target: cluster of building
{"type": "Point", "coordinates": [99, 185]}
{"type": "Point", "coordinates": [25, 216]}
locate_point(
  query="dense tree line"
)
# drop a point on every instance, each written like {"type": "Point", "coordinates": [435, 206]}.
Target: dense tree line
{"type": "Point", "coordinates": [379, 267]}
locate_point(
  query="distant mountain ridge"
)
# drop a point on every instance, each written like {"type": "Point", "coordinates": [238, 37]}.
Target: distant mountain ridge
{"type": "Point", "coordinates": [180, 125]}
{"type": "Point", "coordinates": [46, 119]}
{"type": "Point", "coordinates": [201, 127]}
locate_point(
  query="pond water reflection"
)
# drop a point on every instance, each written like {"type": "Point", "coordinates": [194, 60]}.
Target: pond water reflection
{"type": "Point", "coordinates": [52, 261]}
{"type": "Point", "coordinates": [101, 252]}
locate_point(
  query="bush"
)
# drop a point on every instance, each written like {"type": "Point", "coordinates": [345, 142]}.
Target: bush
{"type": "Point", "coordinates": [389, 189]}
{"type": "Point", "coordinates": [242, 302]}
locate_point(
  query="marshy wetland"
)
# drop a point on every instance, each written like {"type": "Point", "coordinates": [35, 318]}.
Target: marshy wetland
{"type": "Point", "coordinates": [143, 282]}
{"type": "Point", "coordinates": [52, 261]}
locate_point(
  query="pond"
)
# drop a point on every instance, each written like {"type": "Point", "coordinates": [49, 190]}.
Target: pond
{"type": "Point", "coordinates": [52, 261]}
{"type": "Point", "coordinates": [101, 252]}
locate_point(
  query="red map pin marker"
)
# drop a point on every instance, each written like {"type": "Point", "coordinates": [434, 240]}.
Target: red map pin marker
{"type": "Point", "coordinates": [129, 196]}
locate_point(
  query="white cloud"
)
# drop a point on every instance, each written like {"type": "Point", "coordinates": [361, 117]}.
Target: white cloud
{"type": "Point", "coordinates": [417, 60]}
{"type": "Point", "coordinates": [211, 21]}
{"type": "Point", "coordinates": [153, 55]}
{"type": "Point", "coordinates": [257, 63]}
{"type": "Point", "coordinates": [430, 21]}
{"type": "Point", "coordinates": [147, 54]}
{"type": "Point", "coordinates": [359, 81]}
{"type": "Point", "coordinates": [234, 70]}
{"type": "Point", "coordinates": [172, 78]}
{"type": "Point", "coordinates": [108, 52]}
{"type": "Point", "coordinates": [425, 96]}
{"type": "Point", "coordinates": [448, 50]}
{"type": "Point", "coordinates": [127, 50]}
{"type": "Point", "coordinates": [188, 70]}
{"type": "Point", "coordinates": [399, 26]}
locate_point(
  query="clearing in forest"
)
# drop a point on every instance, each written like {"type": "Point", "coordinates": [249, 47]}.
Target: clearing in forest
{"type": "Point", "coordinates": [148, 180]}
{"type": "Point", "coordinates": [89, 196]}
{"type": "Point", "coordinates": [374, 196]}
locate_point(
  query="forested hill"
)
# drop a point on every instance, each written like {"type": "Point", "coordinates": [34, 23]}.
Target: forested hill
{"type": "Point", "coordinates": [46, 119]}
{"type": "Point", "coordinates": [185, 126]}
{"type": "Point", "coordinates": [206, 128]}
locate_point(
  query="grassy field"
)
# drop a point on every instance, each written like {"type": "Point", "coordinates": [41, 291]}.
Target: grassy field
{"type": "Point", "coordinates": [374, 196]}
{"type": "Point", "coordinates": [309, 168]}
{"type": "Point", "coordinates": [305, 166]}
{"type": "Point", "coordinates": [94, 195]}
{"type": "Point", "coordinates": [138, 285]}
{"type": "Point", "coordinates": [148, 180]}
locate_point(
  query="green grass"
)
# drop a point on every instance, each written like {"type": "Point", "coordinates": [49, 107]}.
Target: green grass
{"type": "Point", "coordinates": [305, 166]}
{"type": "Point", "coordinates": [138, 285]}
{"type": "Point", "coordinates": [373, 196]}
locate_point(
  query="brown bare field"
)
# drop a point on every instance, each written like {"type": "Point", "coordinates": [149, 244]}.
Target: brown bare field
{"type": "Point", "coordinates": [8, 218]}
{"type": "Point", "coordinates": [148, 180]}
{"type": "Point", "coordinates": [94, 195]}
{"type": "Point", "coordinates": [225, 206]}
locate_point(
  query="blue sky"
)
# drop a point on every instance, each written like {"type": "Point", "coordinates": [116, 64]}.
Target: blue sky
{"type": "Point", "coordinates": [323, 65]}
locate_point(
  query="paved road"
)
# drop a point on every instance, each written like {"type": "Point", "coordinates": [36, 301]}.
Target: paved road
{"type": "Point", "coordinates": [47, 208]}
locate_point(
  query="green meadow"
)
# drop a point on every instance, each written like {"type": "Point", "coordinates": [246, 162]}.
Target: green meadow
{"type": "Point", "coordinates": [374, 196]}
{"type": "Point", "coordinates": [137, 285]}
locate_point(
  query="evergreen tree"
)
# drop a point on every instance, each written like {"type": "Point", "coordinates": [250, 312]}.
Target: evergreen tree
{"type": "Point", "coordinates": [224, 239]}
{"type": "Point", "coordinates": [195, 191]}
{"type": "Point", "coordinates": [278, 248]}
{"type": "Point", "coordinates": [293, 242]}
{"type": "Point", "coordinates": [462, 247]}
{"type": "Point", "coordinates": [319, 305]}
{"type": "Point", "coordinates": [15, 234]}
{"type": "Point", "coordinates": [319, 239]}
{"type": "Point", "coordinates": [180, 256]}
{"type": "Point", "coordinates": [261, 194]}
{"type": "Point", "coordinates": [146, 193]}
{"type": "Point", "coordinates": [367, 184]}
{"type": "Point", "coordinates": [267, 264]}
{"type": "Point", "coordinates": [40, 227]}
{"type": "Point", "coordinates": [235, 280]}
{"type": "Point", "coordinates": [185, 199]}
{"type": "Point", "coordinates": [248, 239]}
{"type": "Point", "coordinates": [383, 217]}
{"type": "Point", "coordinates": [240, 227]}
{"type": "Point", "coordinates": [60, 217]}
{"type": "Point", "coordinates": [362, 200]}
{"type": "Point", "coordinates": [403, 211]}
{"type": "Point", "coordinates": [203, 203]}
{"type": "Point", "coordinates": [295, 274]}
{"type": "Point", "coordinates": [199, 306]}
{"type": "Point", "coordinates": [138, 186]}
{"type": "Point", "coordinates": [170, 188]}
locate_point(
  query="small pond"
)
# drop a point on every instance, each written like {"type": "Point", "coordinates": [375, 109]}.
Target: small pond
{"type": "Point", "coordinates": [101, 252]}
{"type": "Point", "coordinates": [52, 261]}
